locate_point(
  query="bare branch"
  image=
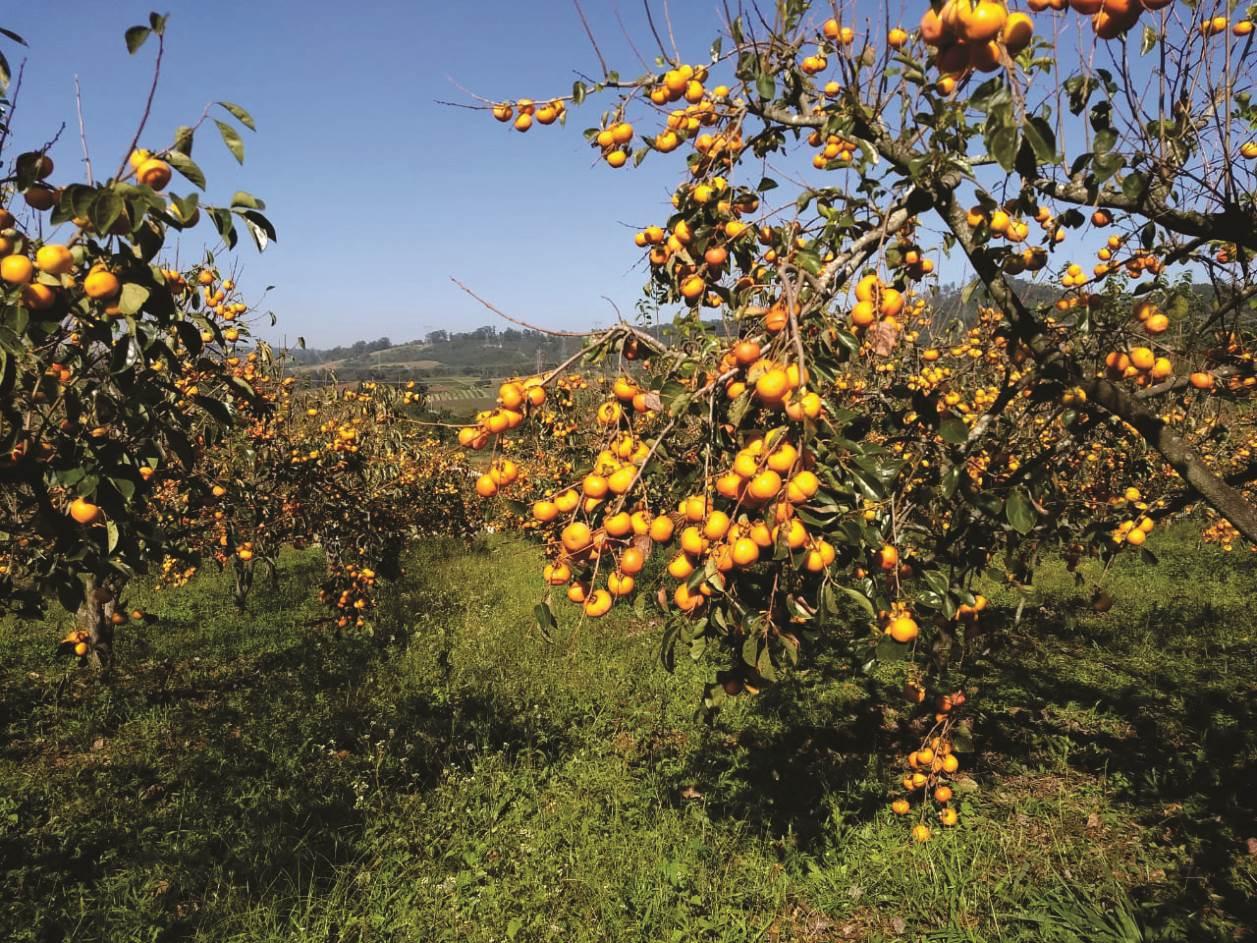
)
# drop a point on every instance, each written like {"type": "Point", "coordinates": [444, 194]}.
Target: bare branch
{"type": "Point", "coordinates": [8, 118]}
{"type": "Point", "coordinates": [78, 107]}
{"type": "Point", "coordinates": [590, 33]}
{"type": "Point", "coordinates": [148, 108]}
{"type": "Point", "coordinates": [506, 317]}
{"type": "Point", "coordinates": [655, 32]}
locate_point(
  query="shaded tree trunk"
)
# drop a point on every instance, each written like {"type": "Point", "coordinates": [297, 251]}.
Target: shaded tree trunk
{"type": "Point", "coordinates": [242, 570]}
{"type": "Point", "coordinates": [95, 617]}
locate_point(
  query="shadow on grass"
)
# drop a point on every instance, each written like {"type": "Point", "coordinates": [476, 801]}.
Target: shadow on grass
{"type": "Point", "coordinates": [1168, 718]}
{"type": "Point", "coordinates": [187, 778]}
{"type": "Point", "coordinates": [808, 751]}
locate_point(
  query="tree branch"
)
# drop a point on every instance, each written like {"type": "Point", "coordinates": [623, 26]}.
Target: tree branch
{"type": "Point", "coordinates": [1232, 224]}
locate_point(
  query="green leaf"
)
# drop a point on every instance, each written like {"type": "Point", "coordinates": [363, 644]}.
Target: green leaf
{"type": "Point", "coordinates": [739, 408]}
{"type": "Point", "coordinates": [952, 430]}
{"type": "Point", "coordinates": [1105, 166]}
{"type": "Point", "coordinates": [1003, 144]}
{"type": "Point", "coordinates": [765, 666]}
{"type": "Point", "coordinates": [1149, 40]}
{"type": "Point", "coordinates": [1105, 141]}
{"type": "Point", "coordinates": [105, 210]}
{"type": "Point", "coordinates": [183, 140]}
{"type": "Point", "coordinates": [1042, 139]}
{"type": "Point", "coordinates": [132, 298]}
{"type": "Point", "coordinates": [750, 650]}
{"type": "Point", "coordinates": [190, 336]}
{"type": "Point", "coordinates": [1134, 185]}
{"type": "Point", "coordinates": [809, 261]}
{"type": "Point", "coordinates": [765, 85]}
{"type": "Point", "coordinates": [239, 114]}
{"type": "Point", "coordinates": [545, 620]}
{"type": "Point", "coordinates": [157, 22]}
{"type": "Point", "coordinates": [71, 476]}
{"type": "Point", "coordinates": [231, 137]}
{"type": "Point", "coordinates": [1001, 135]}
{"type": "Point", "coordinates": [865, 603]}
{"type": "Point", "coordinates": [223, 223]}
{"type": "Point", "coordinates": [186, 166]}
{"type": "Point", "coordinates": [667, 647]}
{"type": "Point", "coordinates": [240, 198]}
{"type": "Point", "coordinates": [890, 650]}
{"type": "Point", "coordinates": [135, 37]}
{"type": "Point", "coordinates": [1019, 511]}
{"type": "Point", "coordinates": [111, 536]}
{"type": "Point", "coordinates": [260, 228]}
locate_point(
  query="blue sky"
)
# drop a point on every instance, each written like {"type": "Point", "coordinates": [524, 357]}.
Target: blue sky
{"type": "Point", "coordinates": [379, 193]}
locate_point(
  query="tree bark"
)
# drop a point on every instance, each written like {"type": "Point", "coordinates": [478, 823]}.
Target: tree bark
{"type": "Point", "coordinates": [242, 571]}
{"type": "Point", "coordinates": [95, 617]}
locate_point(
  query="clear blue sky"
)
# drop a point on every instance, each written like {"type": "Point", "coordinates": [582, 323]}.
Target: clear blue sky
{"type": "Point", "coordinates": [378, 193]}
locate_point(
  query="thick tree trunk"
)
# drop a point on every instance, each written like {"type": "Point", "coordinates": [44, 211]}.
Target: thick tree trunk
{"type": "Point", "coordinates": [243, 573]}
{"type": "Point", "coordinates": [95, 617]}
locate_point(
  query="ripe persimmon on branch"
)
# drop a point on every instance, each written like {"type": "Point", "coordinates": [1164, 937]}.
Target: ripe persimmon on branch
{"type": "Point", "coordinates": [849, 448]}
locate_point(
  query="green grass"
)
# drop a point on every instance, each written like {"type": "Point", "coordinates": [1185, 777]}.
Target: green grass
{"type": "Point", "coordinates": [246, 777]}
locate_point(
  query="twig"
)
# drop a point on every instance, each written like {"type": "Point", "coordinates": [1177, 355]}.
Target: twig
{"type": "Point", "coordinates": [619, 506]}
{"type": "Point", "coordinates": [590, 33]}
{"type": "Point", "coordinates": [667, 19]}
{"type": "Point", "coordinates": [614, 307]}
{"type": "Point", "coordinates": [8, 118]}
{"type": "Point", "coordinates": [655, 32]}
{"type": "Point", "coordinates": [549, 377]}
{"type": "Point", "coordinates": [615, 9]}
{"type": "Point", "coordinates": [441, 101]}
{"type": "Point", "coordinates": [148, 108]}
{"type": "Point", "coordinates": [507, 317]}
{"type": "Point", "coordinates": [78, 107]}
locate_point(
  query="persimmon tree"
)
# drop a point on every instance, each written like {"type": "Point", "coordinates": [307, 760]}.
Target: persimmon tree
{"type": "Point", "coordinates": [344, 468]}
{"type": "Point", "coordinates": [115, 370]}
{"type": "Point", "coordinates": [842, 456]}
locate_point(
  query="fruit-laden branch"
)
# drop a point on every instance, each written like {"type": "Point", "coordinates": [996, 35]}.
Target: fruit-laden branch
{"type": "Point", "coordinates": [148, 106]}
{"type": "Point", "coordinates": [836, 272]}
{"type": "Point", "coordinates": [1227, 501]}
{"type": "Point", "coordinates": [1178, 383]}
{"type": "Point", "coordinates": [1233, 224]}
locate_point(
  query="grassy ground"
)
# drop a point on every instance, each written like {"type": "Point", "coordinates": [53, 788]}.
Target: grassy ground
{"type": "Point", "coordinates": [245, 778]}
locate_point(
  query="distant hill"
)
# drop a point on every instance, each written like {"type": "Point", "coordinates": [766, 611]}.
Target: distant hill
{"type": "Point", "coordinates": [483, 353]}
{"type": "Point", "coordinates": [488, 353]}
{"type": "Point", "coordinates": [461, 370]}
